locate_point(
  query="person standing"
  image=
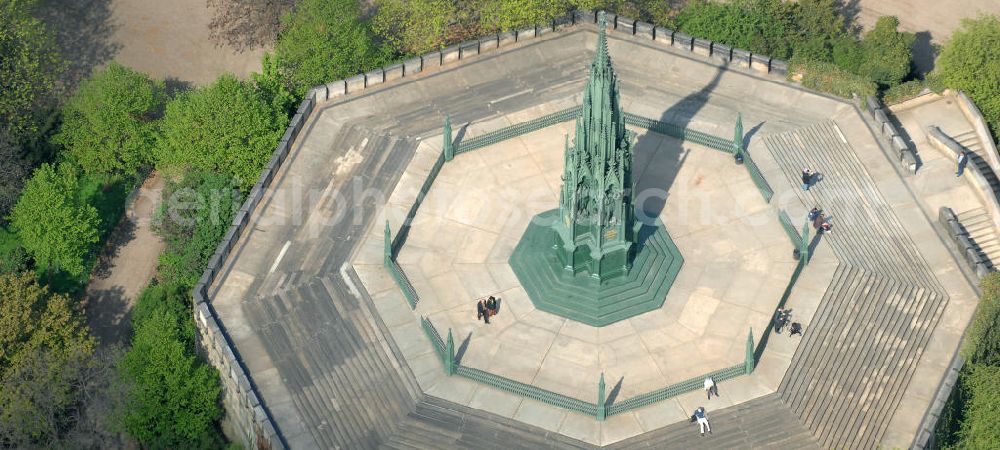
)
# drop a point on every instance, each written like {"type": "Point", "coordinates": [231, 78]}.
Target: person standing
{"type": "Point", "coordinates": [779, 317]}
{"type": "Point", "coordinates": [491, 305]}
{"type": "Point", "coordinates": [699, 414]}
{"type": "Point", "coordinates": [710, 387]}
{"type": "Point", "coordinates": [963, 159]}
{"type": "Point", "coordinates": [796, 329]}
{"type": "Point", "coordinates": [481, 310]}
{"type": "Point", "coordinates": [806, 178]}
{"type": "Point", "coordinates": [814, 213]}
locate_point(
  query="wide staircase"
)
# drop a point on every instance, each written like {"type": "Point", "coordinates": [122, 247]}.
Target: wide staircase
{"type": "Point", "coordinates": [344, 378]}
{"type": "Point", "coordinates": [862, 347]}
{"type": "Point", "coordinates": [982, 232]}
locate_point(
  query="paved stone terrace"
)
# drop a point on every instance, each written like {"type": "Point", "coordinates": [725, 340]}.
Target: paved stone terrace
{"type": "Point", "coordinates": [352, 154]}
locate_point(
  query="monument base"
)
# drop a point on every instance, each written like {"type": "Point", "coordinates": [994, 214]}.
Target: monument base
{"type": "Point", "coordinates": [583, 298]}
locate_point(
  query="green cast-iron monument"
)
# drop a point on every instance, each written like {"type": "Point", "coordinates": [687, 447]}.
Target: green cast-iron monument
{"type": "Point", "coordinates": [591, 260]}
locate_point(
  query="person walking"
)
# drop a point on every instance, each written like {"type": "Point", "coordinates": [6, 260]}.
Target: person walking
{"type": "Point", "coordinates": [963, 159]}
{"type": "Point", "coordinates": [710, 387]}
{"type": "Point", "coordinates": [807, 175]}
{"type": "Point", "coordinates": [699, 415]}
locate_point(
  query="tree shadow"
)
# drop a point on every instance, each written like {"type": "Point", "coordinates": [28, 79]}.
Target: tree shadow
{"type": "Point", "coordinates": [119, 238]}
{"type": "Point", "coordinates": [924, 52]}
{"type": "Point", "coordinates": [851, 9]}
{"type": "Point", "coordinates": [108, 315]}
{"type": "Point", "coordinates": [174, 86]}
{"type": "Point", "coordinates": [83, 31]}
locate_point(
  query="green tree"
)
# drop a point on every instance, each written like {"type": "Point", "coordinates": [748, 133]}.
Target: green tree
{"type": "Point", "coordinates": [43, 348]}
{"type": "Point", "coordinates": [322, 41]}
{"type": "Point", "coordinates": [413, 27]}
{"type": "Point", "coordinates": [761, 26]}
{"type": "Point", "coordinates": [226, 127]}
{"type": "Point", "coordinates": [108, 126]}
{"type": "Point", "coordinates": [970, 61]}
{"type": "Point", "coordinates": [819, 24]}
{"type": "Point", "coordinates": [980, 428]}
{"type": "Point", "coordinates": [506, 15]}
{"type": "Point", "coordinates": [887, 52]}
{"type": "Point", "coordinates": [29, 64]}
{"type": "Point", "coordinates": [982, 342]}
{"type": "Point", "coordinates": [174, 399]}
{"type": "Point", "coordinates": [193, 218]}
{"type": "Point", "coordinates": [55, 226]}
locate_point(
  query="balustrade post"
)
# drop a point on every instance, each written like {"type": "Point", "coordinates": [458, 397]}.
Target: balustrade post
{"type": "Point", "coordinates": [388, 245]}
{"type": "Point", "coordinates": [449, 148]}
{"type": "Point", "coordinates": [749, 363]}
{"type": "Point", "coordinates": [449, 364]}
{"type": "Point", "coordinates": [601, 412]}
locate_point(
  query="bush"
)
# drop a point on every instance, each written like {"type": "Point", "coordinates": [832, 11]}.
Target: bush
{"type": "Point", "coordinates": [227, 127]}
{"type": "Point", "coordinates": [108, 126]}
{"type": "Point", "coordinates": [886, 52]}
{"type": "Point", "coordinates": [908, 90]}
{"type": "Point", "coordinates": [970, 61]}
{"type": "Point", "coordinates": [413, 27]}
{"type": "Point", "coordinates": [322, 41]}
{"type": "Point", "coordinates": [506, 15]}
{"type": "Point", "coordinates": [29, 65]}
{"type": "Point", "coordinates": [761, 26]}
{"type": "Point", "coordinates": [828, 77]}
{"type": "Point", "coordinates": [193, 218]}
{"type": "Point", "coordinates": [980, 428]}
{"type": "Point", "coordinates": [982, 340]}
{"type": "Point", "coordinates": [55, 225]}
{"type": "Point", "coordinates": [173, 401]}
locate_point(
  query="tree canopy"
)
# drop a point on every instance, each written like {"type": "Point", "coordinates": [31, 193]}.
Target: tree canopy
{"type": "Point", "coordinates": [413, 27]}
{"type": "Point", "coordinates": [55, 225]}
{"type": "Point", "coordinates": [43, 348]}
{"type": "Point", "coordinates": [173, 401]}
{"type": "Point", "coordinates": [970, 61]}
{"type": "Point", "coordinates": [108, 126]}
{"type": "Point", "coordinates": [322, 41]}
{"type": "Point", "coordinates": [226, 127]}
{"type": "Point", "coordinates": [29, 64]}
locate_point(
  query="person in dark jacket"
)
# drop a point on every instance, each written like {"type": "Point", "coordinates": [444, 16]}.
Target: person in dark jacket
{"type": "Point", "coordinates": [483, 313]}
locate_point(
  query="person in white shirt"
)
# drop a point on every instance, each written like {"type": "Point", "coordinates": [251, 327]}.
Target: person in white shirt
{"type": "Point", "coordinates": [710, 387]}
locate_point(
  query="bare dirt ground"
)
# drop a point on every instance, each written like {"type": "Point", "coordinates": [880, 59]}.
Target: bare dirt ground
{"type": "Point", "coordinates": [126, 266]}
{"type": "Point", "coordinates": [932, 20]}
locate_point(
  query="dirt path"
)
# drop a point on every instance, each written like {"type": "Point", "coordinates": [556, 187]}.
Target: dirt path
{"type": "Point", "coordinates": [127, 266]}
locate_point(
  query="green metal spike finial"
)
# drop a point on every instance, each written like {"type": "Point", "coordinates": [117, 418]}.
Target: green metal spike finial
{"type": "Point", "coordinates": [748, 365]}
{"type": "Point", "coordinates": [601, 411]}
{"type": "Point", "coordinates": [738, 139]}
{"type": "Point", "coordinates": [449, 149]}
{"type": "Point", "coordinates": [388, 245]}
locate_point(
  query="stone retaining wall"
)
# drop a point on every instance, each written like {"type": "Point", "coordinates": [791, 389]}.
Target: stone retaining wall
{"type": "Point", "coordinates": [906, 155]}
{"type": "Point", "coordinates": [974, 116]}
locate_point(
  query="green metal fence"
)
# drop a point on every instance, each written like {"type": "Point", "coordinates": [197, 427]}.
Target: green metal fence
{"type": "Point", "coordinates": [513, 131]}
{"type": "Point", "coordinates": [649, 398]}
{"type": "Point", "coordinates": [527, 390]}
{"type": "Point", "coordinates": [435, 338]}
{"type": "Point", "coordinates": [757, 177]}
{"type": "Point", "coordinates": [793, 234]}
{"type": "Point", "coordinates": [404, 284]}
{"type": "Point", "coordinates": [708, 140]}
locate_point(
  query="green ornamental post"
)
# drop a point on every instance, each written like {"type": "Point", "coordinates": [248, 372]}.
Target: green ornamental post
{"type": "Point", "coordinates": [805, 243]}
{"type": "Point", "coordinates": [748, 364]}
{"type": "Point", "coordinates": [738, 139]}
{"type": "Point", "coordinates": [601, 412]}
{"type": "Point", "coordinates": [449, 364]}
{"type": "Point", "coordinates": [449, 149]}
{"type": "Point", "coordinates": [388, 245]}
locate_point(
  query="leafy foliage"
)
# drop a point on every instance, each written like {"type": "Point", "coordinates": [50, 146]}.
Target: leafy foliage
{"type": "Point", "coordinates": [54, 224]}
{"type": "Point", "coordinates": [970, 61]}
{"type": "Point", "coordinates": [886, 53]}
{"type": "Point", "coordinates": [414, 27]}
{"type": "Point", "coordinates": [828, 77]}
{"type": "Point", "coordinates": [173, 400]}
{"type": "Point", "coordinates": [29, 65]}
{"type": "Point", "coordinates": [761, 26]}
{"type": "Point", "coordinates": [324, 40]}
{"type": "Point", "coordinates": [227, 127]}
{"type": "Point", "coordinates": [193, 218]}
{"type": "Point", "coordinates": [108, 126]}
{"type": "Point", "coordinates": [982, 341]}
{"type": "Point", "coordinates": [43, 348]}
{"type": "Point", "coordinates": [981, 429]}
{"type": "Point", "coordinates": [13, 172]}
{"type": "Point", "coordinates": [505, 15]}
